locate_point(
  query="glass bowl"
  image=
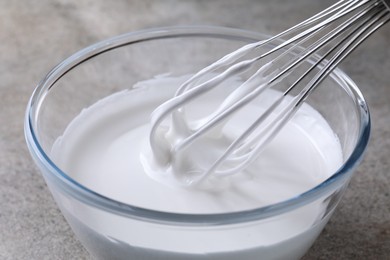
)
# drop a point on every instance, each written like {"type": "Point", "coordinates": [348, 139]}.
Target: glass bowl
{"type": "Point", "coordinates": [110, 229]}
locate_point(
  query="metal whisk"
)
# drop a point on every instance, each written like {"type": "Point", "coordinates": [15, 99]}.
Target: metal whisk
{"type": "Point", "coordinates": [335, 32]}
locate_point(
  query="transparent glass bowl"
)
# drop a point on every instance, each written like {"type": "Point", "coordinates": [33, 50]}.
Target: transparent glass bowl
{"type": "Point", "coordinates": [113, 230]}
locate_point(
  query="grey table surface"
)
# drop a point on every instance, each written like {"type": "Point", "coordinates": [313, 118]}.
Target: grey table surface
{"type": "Point", "coordinates": [36, 35]}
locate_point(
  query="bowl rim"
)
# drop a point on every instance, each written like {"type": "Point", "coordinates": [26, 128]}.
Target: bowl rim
{"type": "Point", "coordinates": [92, 198]}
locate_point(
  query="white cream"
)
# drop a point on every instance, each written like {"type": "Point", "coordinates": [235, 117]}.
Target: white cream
{"type": "Point", "coordinates": [101, 149]}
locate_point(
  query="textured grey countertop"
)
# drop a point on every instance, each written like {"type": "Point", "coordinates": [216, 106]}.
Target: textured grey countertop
{"type": "Point", "coordinates": [36, 35]}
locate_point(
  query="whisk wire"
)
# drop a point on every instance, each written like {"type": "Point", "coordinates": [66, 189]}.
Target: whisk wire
{"type": "Point", "coordinates": [223, 111]}
{"type": "Point", "coordinates": [275, 125]}
{"type": "Point", "coordinates": [359, 34]}
{"type": "Point", "coordinates": [232, 57]}
{"type": "Point", "coordinates": [336, 31]}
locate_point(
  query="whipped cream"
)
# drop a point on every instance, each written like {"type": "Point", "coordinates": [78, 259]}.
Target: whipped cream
{"type": "Point", "coordinates": [106, 148]}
